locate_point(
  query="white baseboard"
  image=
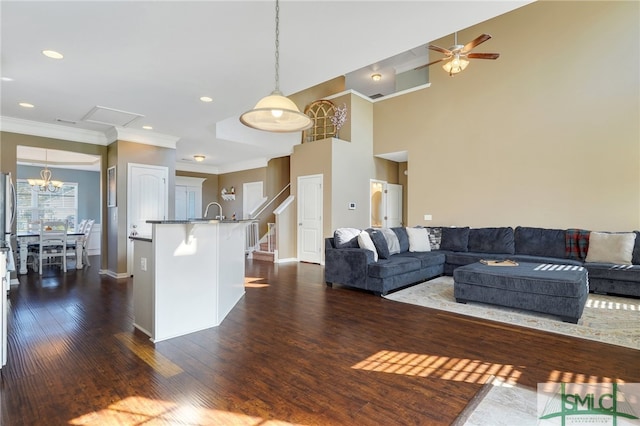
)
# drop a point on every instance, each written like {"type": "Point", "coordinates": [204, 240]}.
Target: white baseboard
{"type": "Point", "coordinates": [112, 274]}
{"type": "Point", "coordinates": [287, 260]}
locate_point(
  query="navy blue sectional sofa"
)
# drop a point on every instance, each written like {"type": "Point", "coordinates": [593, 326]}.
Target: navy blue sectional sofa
{"type": "Point", "coordinates": [348, 264]}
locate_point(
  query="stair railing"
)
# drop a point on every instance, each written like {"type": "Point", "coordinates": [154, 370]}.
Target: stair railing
{"type": "Point", "coordinates": [252, 236]}
{"type": "Point", "coordinates": [270, 202]}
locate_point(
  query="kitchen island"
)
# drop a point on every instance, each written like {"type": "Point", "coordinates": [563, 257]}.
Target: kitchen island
{"type": "Point", "coordinates": [187, 275]}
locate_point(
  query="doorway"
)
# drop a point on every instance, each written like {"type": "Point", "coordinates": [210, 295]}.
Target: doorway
{"type": "Point", "coordinates": [385, 204]}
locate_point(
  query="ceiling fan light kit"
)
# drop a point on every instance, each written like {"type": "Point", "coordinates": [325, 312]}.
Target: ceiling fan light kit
{"type": "Point", "coordinates": [458, 55]}
{"type": "Point", "coordinates": [276, 113]}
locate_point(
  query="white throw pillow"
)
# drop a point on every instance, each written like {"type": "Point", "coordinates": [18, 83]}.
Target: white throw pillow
{"type": "Point", "coordinates": [365, 242]}
{"type": "Point", "coordinates": [611, 248]}
{"type": "Point", "coordinates": [418, 239]}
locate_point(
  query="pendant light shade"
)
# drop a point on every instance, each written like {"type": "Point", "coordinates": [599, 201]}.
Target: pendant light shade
{"type": "Point", "coordinates": [276, 113]}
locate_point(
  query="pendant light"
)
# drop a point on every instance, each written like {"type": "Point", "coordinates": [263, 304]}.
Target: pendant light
{"type": "Point", "coordinates": [276, 113]}
{"type": "Point", "coordinates": [45, 183]}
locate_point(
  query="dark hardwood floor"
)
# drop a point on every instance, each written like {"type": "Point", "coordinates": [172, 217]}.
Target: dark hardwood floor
{"type": "Point", "coordinates": [293, 351]}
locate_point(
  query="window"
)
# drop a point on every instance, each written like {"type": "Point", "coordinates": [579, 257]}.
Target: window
{"type": "Point", "coordinates": [33, 206]}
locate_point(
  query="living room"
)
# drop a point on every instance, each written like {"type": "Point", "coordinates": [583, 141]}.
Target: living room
{"type": "Point", "coordinates": [547, 135]}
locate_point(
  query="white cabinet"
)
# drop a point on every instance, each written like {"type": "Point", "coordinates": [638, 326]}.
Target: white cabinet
{"type": "Point", "coordinates": [188, 197]}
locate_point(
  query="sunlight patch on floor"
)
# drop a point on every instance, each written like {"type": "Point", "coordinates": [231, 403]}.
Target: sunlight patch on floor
{"type": "Point", "coordinates": [557, 376]}
{"type": "Point", "coordinates": [446, 368]}
{"type": "Point", "coordinates": [137, 410]}
{"type": "Point", "coordinates": [148, 354]}
{"type": "Point", "coordinates": [255, 282]}
{"type": "Point", "coordinates": [609, 305]}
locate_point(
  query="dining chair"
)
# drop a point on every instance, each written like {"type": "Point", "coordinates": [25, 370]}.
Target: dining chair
{"type": "Point", "coordinates": [52, 243]}
{"type": "Point", "coordinates": [84, 241]}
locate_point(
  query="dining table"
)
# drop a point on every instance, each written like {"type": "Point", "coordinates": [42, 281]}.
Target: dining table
{"type": "Point", "coordinates": [24, 239]}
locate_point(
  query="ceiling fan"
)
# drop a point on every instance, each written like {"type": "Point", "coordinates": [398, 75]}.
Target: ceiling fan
{"type": "Point", "coordinates": [458, 55]}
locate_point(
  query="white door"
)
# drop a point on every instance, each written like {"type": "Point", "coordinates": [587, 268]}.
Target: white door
{"type": "Point", "coordinates": [393, 215]}
{"type": "Point", "coordinates": [252, 198]}
{"type": "Point", "coordinates": [148, 199]}
{"type": "Point", "coordinates": [310, 218]}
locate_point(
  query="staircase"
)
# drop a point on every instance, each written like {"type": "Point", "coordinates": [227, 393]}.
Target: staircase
{"type": "Point", "coordinates": [267, 246]}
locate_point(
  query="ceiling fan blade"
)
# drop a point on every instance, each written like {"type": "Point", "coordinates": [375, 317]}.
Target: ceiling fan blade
{"type": "Point", "coordinates": [483, 55]}
{"type": "Point", "coordinates": [440, 49]}
{"type": "Point", "coordinates": [430, 63]}
{"type": "Point", "coordinates": [473, 43]}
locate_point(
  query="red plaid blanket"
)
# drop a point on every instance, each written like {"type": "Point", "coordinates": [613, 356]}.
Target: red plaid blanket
{"type": "Point", "coordinates": [577, 243]}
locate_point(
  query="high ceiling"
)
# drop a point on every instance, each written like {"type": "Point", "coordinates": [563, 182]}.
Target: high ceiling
{"type": "Point", "coordinates": [150, 62]}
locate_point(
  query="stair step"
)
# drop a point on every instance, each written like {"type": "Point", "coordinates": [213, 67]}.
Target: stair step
{"type": "Point", "coordinates": [263, 255]}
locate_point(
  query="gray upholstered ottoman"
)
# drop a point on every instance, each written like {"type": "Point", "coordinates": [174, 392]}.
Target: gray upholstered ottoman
{"type": "Point", "coordinates": [560, 290]}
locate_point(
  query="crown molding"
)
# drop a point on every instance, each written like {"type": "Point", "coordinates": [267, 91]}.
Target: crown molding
{"type": "Point", "coordinates": [148, 138]}
{"type": "Point", "coordinates": [55, 131]}
{"type": "Point", "coordinates": [110, 135]}
{"type": "Point", "coordinates": [185, 166]}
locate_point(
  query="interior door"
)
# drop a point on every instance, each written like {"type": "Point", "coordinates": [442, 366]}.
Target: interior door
{"type": "Point", "coordinates": [393, 214]}
{"type": "Point", "coordinates": [310, 218]}
{"type": "Point", "coordinates": [148, 199]}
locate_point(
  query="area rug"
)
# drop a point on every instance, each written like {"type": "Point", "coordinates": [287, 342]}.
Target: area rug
{"type": "Point", "coordinates": [500, 404]}
{"type": "Point", "coordinates": [608, 319]}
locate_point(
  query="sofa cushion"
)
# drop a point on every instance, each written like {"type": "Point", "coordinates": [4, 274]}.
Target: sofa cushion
{"type": "Point", "coordinates": [614, 272]}
{"type": "Point", "coordinates": [346, 237]}
{"type": "Point", "coordinates": [492, 240]}
{"type": "Point", "coordinates": [403, 238]}
{"type": "Point", "coordinates": [540, 241]}
{"type": "Point", "coordinates": [427, 258]}
{"type": "Point", "coordinates": [418, 239]}
{"type": "Point", "coordinates": [380, 242]}
{"type": "Point", "coordinates": [396, 265]}
{"type": "Point", "coordinates": [392, 240]}
{"type": "Point", "coordinates": [455, 239]}
{"type": "Point", "coordinates": [365, 242]}
{"type": "Point", "coordinates": [576, 243]}
{"type": "Point", "coordinates": [607, 247]}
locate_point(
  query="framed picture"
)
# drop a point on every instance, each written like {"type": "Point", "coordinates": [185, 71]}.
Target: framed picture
{"type": "Point", "coordinates": [111, 186]}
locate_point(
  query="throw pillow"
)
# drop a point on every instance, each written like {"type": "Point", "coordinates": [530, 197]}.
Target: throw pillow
{"type": "Point", "coordinates": [346, 237]}
{"type": "Point", "coordinates": [455, 239]}
{"type": "Point", "coordinates": [403, 238]}
{"type": "Point", "coordinates": [435, 237]}
{"type": "Point", "coordinates": [635, 259]}
{"type": "Point", "coordinates": [365, 242]}
{"type": "Point", "coordinates": [418, 239]}
{"type": "Point", "coordinates": [392, 240]}
{"type": "Point", "coordinates": [381, 244]}
{"type": "Point", "coordinates": [611, 248]}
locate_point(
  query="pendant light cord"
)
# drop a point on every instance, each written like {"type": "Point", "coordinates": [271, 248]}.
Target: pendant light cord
{"type": "Point", "coordinates": [277, 46]}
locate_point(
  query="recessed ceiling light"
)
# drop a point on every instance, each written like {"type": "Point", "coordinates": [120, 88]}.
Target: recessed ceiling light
{"type": "Point", "coordinates": [52, 54]}
{"type": "Point", "coordinates": [26, 105]}
{"type": "Point", "coordinates": [6, 79]}
{"type": "Point", "coordinates": [198, 158]}
{"type": "Point", "coordinates": [147, 127]}
{"type": "Point", "coordinates": [376, 77]}
{"type": "Point", "coordinates": [206, 99]}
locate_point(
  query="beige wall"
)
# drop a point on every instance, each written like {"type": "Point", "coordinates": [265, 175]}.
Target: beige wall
{"type": "Point", "coordinates": [547, 135]}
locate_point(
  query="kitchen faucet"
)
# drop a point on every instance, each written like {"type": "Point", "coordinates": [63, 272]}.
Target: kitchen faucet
{"type": "Point", "coordinates": [206, 211]}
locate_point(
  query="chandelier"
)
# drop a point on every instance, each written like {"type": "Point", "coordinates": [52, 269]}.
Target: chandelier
{"type": "Point", "coordinates": [276, 113]}
{"type": "Point", "coordinates": [45, 183]}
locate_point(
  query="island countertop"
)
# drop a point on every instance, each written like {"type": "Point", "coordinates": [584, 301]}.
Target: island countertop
{"type": "Point", "coordinates": [196, 220]}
